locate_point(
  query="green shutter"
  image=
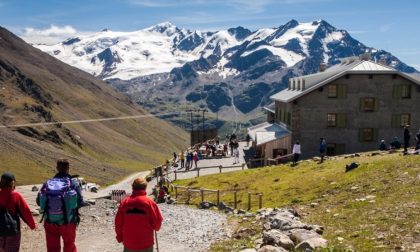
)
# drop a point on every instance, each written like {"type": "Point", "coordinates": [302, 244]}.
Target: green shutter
{"type": "Point", "coordinates": [341, 91]}
{"type": "Point", "coordinates": [396, 91]}
{"type": "Point", "coordinates": [375, 134]}
{"type": "Point", "coordinates": [361, 135]}
{"type": "Point", "coordinates": [362, 105]}
{"type": "Point", "coordinates": [340, 149]}
{"type": "Point", "coordinates": [376, 104]}
{"type": "Point", "coordinates": [341, 120]}
{"type": "Point", "coordinates": [396, 120]}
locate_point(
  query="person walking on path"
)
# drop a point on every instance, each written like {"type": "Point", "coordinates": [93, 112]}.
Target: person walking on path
{"type": "Point", "coordinates": [60, 199]}
{"type": "Point", "coordinates": [182, 159]}
{"type": "Point", "coordinates": [418, 140]}
{"type": "Point", "coordinates": [406, 138]}
{"type": "Point", "coordinates": [322, 148]}
{"type": "Point", "coordinates": [12, 204]}
{"type": "Point", "coordinates": [296, 152]}
{"type": "Point", "coordinates": [247, 139]}
{"type": "Point", "coordinates": [137, 219]}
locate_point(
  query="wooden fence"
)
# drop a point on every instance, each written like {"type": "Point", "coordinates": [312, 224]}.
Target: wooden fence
{"type": "Point", "coordinates": [258, 162]}
{"type": "Point", "coordinates": [209, 167]}
{"type": "Point", "coordinates": [187, 194]}
{"type": "Point", "coordinates": [118, 195]}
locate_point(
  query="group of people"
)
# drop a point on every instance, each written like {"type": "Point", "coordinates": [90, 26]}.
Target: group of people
{"type": "Point", "coordinates": [396, 144]}
{"type": "Point", "coordinates": [60, 199]}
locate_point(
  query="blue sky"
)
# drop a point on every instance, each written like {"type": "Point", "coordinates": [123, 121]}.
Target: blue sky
{"type": "Point", "coordinates": [385, 24]}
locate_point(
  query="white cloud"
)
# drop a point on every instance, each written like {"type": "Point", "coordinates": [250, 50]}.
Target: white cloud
{"type": "Point", "coordinates": [385, 28]}
{"type": "Point", "coordinates": [52, 35]}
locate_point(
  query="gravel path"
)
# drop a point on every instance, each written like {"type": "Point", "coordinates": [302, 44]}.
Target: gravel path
{"type": "Point", "coordinates": [184, 229]}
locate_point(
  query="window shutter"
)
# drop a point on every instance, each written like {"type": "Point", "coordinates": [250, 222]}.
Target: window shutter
{"type": "Point", "coordinates": [396, 120]}
{"type": "Point", "coordinates": [361, 107]}
{"type": "Point", "coordinates": [376, 106]}
{"type": "Point", "coordinates": [375, 134]}
{"type": "Point", "coordinates": [396, 91]}
{"type": "Point", "coordinates": [341, 120]}
{"type": "Point", "coordinates": [361, 135]}
{"type": "Point", "coordinates": [342, 91]}
{"type": "Point", "coordinates": [340, 149]}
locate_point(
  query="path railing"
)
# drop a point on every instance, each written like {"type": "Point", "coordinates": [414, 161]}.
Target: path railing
{"type": "Point", "coordinates": [187, 195]}
{"type": "Point", "coordinates": [221, 167]}
{"type": "Point", "coordinates": [252, 163]}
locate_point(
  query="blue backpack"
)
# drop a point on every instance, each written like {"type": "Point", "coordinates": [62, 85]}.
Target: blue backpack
{"type": "Point", "coordinates": [58, 201]}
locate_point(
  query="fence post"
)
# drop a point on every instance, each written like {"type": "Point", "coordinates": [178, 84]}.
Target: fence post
{"type": "Point", "coordinates": [220, 169]}
{"type": "Point", "coordinates": [218, 198]}
{"type": "Point", "coordinates": [188, 196]}
{"type": "Point", "coordinates": [249, 201]}
{"type": "Point", "coordinates": [243, 166]}
{"type": "Point", "coordinates": [260, 200]}
{"type": "Point", "coordinates": [198, 172]}
{"type": "Point", "coordinates": [202, 195]}
{"type": "Point", "coordinates": [176, 192]}
{"type": "Point", "coordinates": [235, 199]}
{"type": "Point", "coordinates": [175, 175]}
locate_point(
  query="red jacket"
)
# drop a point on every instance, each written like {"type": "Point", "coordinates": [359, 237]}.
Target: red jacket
{"type": "Point", "coordinates": [136, 219]}
{"type": "Point", "coordinates": [17, 203]}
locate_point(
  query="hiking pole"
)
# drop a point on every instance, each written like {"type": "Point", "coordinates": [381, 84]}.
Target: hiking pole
{"type": "Point", "coordinates": [157, 244]}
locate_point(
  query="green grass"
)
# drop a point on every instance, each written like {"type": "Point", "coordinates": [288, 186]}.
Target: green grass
{"type": "Point", "coordinates": [391, 219]}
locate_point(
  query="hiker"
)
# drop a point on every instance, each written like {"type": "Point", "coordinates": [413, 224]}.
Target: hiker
{"type": "Point", "coordinates": [236, 153]}
{"type": "Point", "coordinates": [231, 145]}
{"type": "Point", "coordinates": [189, 161]}
{"type": "Point", "coordinates": [296, 152]}
{"type": "Point", "coordinates": [60, 199]}
{"type": "Point", "coordinates": [175, 156]}
{"type": "Point", "coordinates": [395, 144]}
{"type": "Point", "coordinates": [382, 145]}
{"type": "Point", "coordinates": [406, 138]}
{"type": "Point", "coordinates": [12, 206]}
{"type": "Point", "coordinates": [182, 159]}
{"type": "Point", "coordinates": [137, 219]}
{"type": "Point", "coordinates": [418, 141]}
{"type": "Point", "coordinates": [247, 139]}
{"type": "Point", "coordinates": [322, 148]}
{"type": "Point", "coordinates": [195, 158]}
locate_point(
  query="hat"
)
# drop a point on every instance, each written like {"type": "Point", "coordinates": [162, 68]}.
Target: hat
{"type": "Point", "coordinates": [7, 176]}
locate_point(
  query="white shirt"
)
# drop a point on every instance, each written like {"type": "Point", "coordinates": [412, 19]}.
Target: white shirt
{"type": "Point", "coordinates": [296, 149]}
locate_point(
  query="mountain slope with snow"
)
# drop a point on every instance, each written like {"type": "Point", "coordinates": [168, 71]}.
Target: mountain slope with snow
{"type": "Point", "coordinates": [167, 63]}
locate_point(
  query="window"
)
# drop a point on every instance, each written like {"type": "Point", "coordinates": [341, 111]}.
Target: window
{"type": "Point", "coordinates": [402, 91]}
{"type": "Point", "coordinates": [368, 135]}
{"type": "Point", "coordinates": [405, 91]}
{"type": "Point", "coordinates": [332, 120]}
{"type": "Point", "coordinates": [369, 104]}
{"type": "Point", "coordinates": [332, 91]}
{"type": "Point", "coordinates": [399, 120]}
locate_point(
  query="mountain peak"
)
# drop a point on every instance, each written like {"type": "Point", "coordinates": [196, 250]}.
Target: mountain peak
{"type": "Point", "coordinates": [165, 27]}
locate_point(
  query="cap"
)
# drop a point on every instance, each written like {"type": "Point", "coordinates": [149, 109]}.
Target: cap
{"type": "Point", "coordinates": [8, 176]}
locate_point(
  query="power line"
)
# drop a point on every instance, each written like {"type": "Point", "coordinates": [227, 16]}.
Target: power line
{"type": "Point", "coordinates": [88, 120]}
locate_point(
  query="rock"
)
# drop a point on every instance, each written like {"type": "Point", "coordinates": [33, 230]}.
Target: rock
{"type": "Point", "coordinates": [249, 250]}
{"type": "Point", "coordinates": [222, 206]}
{"type": "Point", "coordinates": [90, 202]}
{"type": "Point", "coordinates": [229, 210]}
{"type": "Point", "coordinates": [269, 248]}
{"type": "Point", "coordinates": [312, 244]}
{"type": "Point", "coordinates": [370, 197]}
{"type": "Point", "coordinates": [241, 211]}
{"type": "Point", "coordinates": [300, 235]}
{"type": "Point", "coordinates": [206, 205]}
{"type": "Point", "coordinates": [275, 237]}
{"type": "Point", "coordinates": [314, 204]}
{"type": "Point", "coordinates": [35, 189]}
{"type": "Point", "coordinates": [340, 239]}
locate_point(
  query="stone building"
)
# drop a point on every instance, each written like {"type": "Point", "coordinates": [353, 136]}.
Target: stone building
{"type": "Point", "coordinates": [353, 105]}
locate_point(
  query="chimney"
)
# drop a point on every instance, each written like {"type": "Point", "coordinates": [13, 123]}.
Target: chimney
{"type": "Point", "coordinates": [365, 56]}
{"type": "Point", "coordinates": [322, 67]}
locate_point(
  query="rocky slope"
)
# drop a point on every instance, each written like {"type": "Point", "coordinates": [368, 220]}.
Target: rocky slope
{"type": "Point", "coordinates": [35, 87]}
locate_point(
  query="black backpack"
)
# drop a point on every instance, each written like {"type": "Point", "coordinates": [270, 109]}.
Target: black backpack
{"type": "Point", "coordinates": [9, 224]}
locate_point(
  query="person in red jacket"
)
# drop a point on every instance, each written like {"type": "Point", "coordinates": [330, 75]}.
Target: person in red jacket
{"type": "Point", "coordinates": [137, 219]}
{"type": "Point", "coordinates": [16, 205]}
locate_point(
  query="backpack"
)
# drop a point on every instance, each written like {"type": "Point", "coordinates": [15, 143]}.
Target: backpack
{"type": "Point", "coordinates": [9, 223]}
{"type": "Point", "coordinates": [58, 201]}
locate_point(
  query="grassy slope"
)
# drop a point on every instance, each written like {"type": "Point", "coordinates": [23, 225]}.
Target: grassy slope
{"type": "Point", "coordinates": [110, 150]}
{"type": "Point", "coordinates": [390, 220]}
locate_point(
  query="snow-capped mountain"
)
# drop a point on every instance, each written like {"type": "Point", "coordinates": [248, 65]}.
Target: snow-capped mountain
{"type": "Point", "coordinates": [220, 69]}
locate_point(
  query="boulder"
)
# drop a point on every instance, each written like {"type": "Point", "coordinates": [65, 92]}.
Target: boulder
{"type": "Point", "coordinates": [312, 244]}
{"type": "Point", "coordinates": [35, 189]}
{"type": "Point", "coordinates": [206, 205]}
{"type": "Point", "coordinates": [249, 250]}
{"type": "Point", "coordinates": [275, 237]}
{"type": "Point", "coordinates": [269, 248]}
{"type": "Point", "coordinates": [300, 235]}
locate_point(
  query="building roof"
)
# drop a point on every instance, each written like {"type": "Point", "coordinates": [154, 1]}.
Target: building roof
{"type": "Point", "coordinates": [270, 108]}
{"type": "Point", "coordinates": [267, 132]}
{"type": "Point", "coordinates": [299, 86]}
